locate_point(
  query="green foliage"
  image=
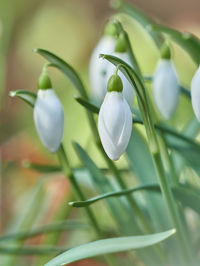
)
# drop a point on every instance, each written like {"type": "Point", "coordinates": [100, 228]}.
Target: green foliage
{"type": "Point", "coordinates": [105, 246]}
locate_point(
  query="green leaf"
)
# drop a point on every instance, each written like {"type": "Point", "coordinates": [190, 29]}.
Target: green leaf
{"type": "Point", "coordinates": [62, 214]}
{"type": "Point", "coordinates": [45, 229]}
{"type": "Point", "coordinates": [106, 246]}
{"type": "Point", "coordinates": [185, 147]}
{"type": "Point", "coordinates": [151, 187]}
{"type": "Point", "coordinates": [185, 92]}
{"type": "Point", "coordinates": [187, 196]}
{"type": "Point", "coordinates": [41, 167]}
{"type": "Point", "coordinates": [138, 153]}
{"type": "Point", "coordinates": [87, 104]}
{"type": "Point", "coordinates": [186, 40]}
{"type": "Point", "coordinates": [140, 17]}
{"type": "Point", "coordinates": [27, 96]}
{"type": "Point", "coordinates": [33, 205]}
{"type": "Point", "coordinates": [32, 250]}
{"type": "Point", "coordinates": [191, 131]}
{"type": "Point", "coordinates": [65, 68]}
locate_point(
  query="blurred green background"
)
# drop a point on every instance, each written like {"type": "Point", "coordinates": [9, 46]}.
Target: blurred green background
{"type": "Point", "coordinates": [69, 29]}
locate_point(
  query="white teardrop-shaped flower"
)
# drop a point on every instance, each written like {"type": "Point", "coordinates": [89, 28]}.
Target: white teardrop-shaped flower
{"type": "Point", "coordinates": [128, 90]}
{"type": "Point", "coordinates": [195, 93]}
{"type": "Point", "coordinates": [165, 88]}
{"type": "Point", "coordinates": [114, 124]}
{"type": "Point", "coordinates": [98, 67]}
{"type": "Point", "coordinates": [49, 119]}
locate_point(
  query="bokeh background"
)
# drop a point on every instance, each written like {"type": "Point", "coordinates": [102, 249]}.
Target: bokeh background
{"type": "Point", "coordinates": [69, 29]}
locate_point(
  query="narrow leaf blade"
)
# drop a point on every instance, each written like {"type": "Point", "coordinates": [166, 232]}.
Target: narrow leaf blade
{"type": "Point", "coordinates": [106, 246]}
{"type": "Point", "coordinates": [87, 104]}
{"type": "Point", "coordinates": [151, 187]}
{"type": "Point", "coordinates": [28, 96]}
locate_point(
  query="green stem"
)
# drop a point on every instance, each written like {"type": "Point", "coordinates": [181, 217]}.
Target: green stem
{"type": "Point", "coordinates": [173, 210]}
{"type": "Point", "coordinates": [170, 164]}
{"type": "Point", "coordinates": [175, 182]}
{"type": "Point", "coordinates": [165, 188]}
{"type": "Point", "coordinates": [68, 171]}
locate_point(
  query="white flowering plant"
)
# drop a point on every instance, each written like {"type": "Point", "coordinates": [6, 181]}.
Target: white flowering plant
{"type": "Point", "coordinates": [129, 114]}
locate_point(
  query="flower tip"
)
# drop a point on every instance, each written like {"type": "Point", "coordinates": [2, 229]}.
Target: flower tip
{"type": "Point", "coordinates": [115, 158]}
{"type": "Point", "coordinates": [35, 50]}
{"type": "Point", "coordinates": [149, 27]}
{"type": "Point", "coordinates": [54, 149]}
{"type": "Point", "coordinates": [12, 93]}
{"type": "Point", "coordinates": [102, 56]}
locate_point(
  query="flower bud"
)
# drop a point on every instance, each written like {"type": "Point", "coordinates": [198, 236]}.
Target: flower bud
{"type": "Point", "coordinates": [115, 83]}
{"type": "Point", "coordinates": [195, 93]}
{"type": "Point", "coordinates": [44, 81]}
{"type": "Point", "coordinates": [48, 115]}
{"type": "Point", "coordinates": [165, 88]}
{"type": "Point", "coordinates": [114, 123]}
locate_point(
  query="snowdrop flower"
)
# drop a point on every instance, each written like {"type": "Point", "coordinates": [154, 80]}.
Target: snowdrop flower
{"type": "Point", "coordinates": [98, 66]}
{"type": "Point", "coordinates": [115, 120]}
{"type": "Point", "coordinates": [48, 115]}
{"type": "Point", "coordinates": [195, 93]}
{"type": "Point", "coordinates": [165, 85]}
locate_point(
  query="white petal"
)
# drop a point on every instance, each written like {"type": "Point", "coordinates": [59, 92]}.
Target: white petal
{"type": "Point", "coordinates": [128, 90]}
{"type": "Point", "coordinates": [195, 93]}
{"type": "Point", "coordinates": [49, 119]}
{"type": "Point", "coordinates": [98, 67]}
{"type": "Point", "coordinates": [115, 124]}
{"type": "Point", "coordinates": [165, 88]}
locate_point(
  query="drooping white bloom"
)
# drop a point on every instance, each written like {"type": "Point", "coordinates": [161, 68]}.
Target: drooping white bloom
{"type": "Point", "coordinates": [128, 90]}
{"type": "Point", "coordinates": [115, 124]}
{"type": "Point", "coordinates": [49, 119]}
{"type": "Point", "coordinates": [98, 67]}
{"type": "Point", "coordinates": [195, 93]}
{"type": "Point", "coordinates": [165, 88]}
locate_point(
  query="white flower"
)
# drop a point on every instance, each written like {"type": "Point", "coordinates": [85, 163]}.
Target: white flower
{"type": "Point", "coordinates": [165, 88]}
{"type": "Point", "coordinates": [98, 67]}
{"type": "Point", "coordinates": [128, 90]}
{"type": "Point", "coordinates": [49, 119]}
{"type": "Point", "coordinates": [195, 93]}
{"type": "Point", "coordinates": [115, 124]}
